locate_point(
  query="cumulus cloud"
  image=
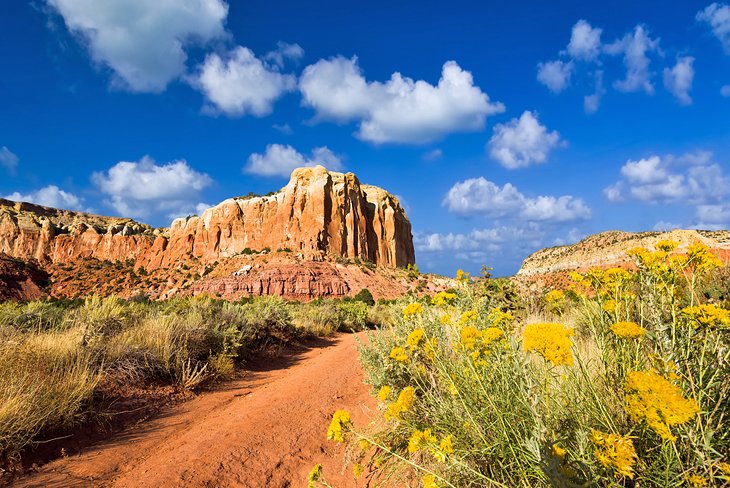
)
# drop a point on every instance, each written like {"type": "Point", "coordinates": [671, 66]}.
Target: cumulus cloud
{"type": "Point", "coordinates": [585, 41]}
{"type": "Point", "coordinates": [555, 75]}
{"type": "Point", "coordinates": [8, 159]}
{"type": "Point", "coordinates": [143, 189]}
{"type": "Point", "coordinates": [239, 83]}
{"type": "Point", "coordinates": [489, 239]}
{"type": "Point", "coordinates": [285, 52]}
{"type": "Point", "coordinates": [692, 178]}
{"type": "Point", "coordinates": [678, 80]}
{"type": "Point", "coordinates": [717, 16]}
{"type": "Point", "coordinates": [49, 196]}
{"type": "Point", "coordinates": [522, 142]}
{"type": "Point", "coordinates": [281, 160]}
{"type": "Point", "coordinates": [142, 42]}
{"type": "Point", "coordinates": [481, 196]}
{"type": "Point", "coordinates": [635, 48]}
{"type": "Point", "coordinates": [399, 110]}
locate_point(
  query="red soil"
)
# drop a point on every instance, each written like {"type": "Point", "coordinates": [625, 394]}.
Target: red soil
{"type": "Point", "coordinates": [266, 429]}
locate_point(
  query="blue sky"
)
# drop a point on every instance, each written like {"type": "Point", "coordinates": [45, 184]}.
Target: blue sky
{"type": "Point", "coordinates": [502, 126]}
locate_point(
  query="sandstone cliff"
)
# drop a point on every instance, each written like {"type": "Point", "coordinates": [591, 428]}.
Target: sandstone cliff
{"type": "Point", "coordinates": [317, 214]}
{"type": "Point", "coordinates": [609, 249]}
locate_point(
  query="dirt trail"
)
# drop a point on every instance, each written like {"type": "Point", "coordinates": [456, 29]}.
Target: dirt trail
{"type": "Point", "coordinates": [265, 430]}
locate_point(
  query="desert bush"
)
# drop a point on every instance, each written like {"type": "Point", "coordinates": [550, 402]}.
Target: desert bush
{"type": "Point", "coordinates": [626, 385]}
{"type": "Point", "coordinates": [365, 296]}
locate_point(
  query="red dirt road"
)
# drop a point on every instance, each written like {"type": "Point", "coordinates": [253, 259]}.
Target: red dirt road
{"type": "Point", "coordinates": [265, 430]}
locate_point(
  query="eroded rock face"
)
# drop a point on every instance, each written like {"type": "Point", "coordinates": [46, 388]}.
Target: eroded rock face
{"type": "Point", "coordinates": [317, 214]}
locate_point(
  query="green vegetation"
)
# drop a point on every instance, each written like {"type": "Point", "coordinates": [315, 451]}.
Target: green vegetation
{"type": "Point", "coordinates": [622, 379]}
{"type": "Point", "coordinates": [56, 355]}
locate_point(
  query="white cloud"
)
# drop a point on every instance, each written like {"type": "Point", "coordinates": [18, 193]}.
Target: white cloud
{"type": "Point", "coordinates": [241, 83]}
{"type": "Point", "coordinates": [593, 101]}
{"type": "Point", "coordinates": [635, 47]}
{"type": "Point", "coordinates": [284, 128]}
{"type": "Point", "coordinates": [285, 51]}
{"type": "Point", "coordinates": [678, 80]}
{"type": "Point", "coordinates": [585, 41]}
{"type": "Point", "coordinates": [555, 75]}
{"type": "Point", "coordinates": [281, 160]}
{"type": "Point", "coordinates": [689, 179]}
{"type": "Point", "coordinates": [522, 142]}
{"type": "Point", "coordinates": [399, 110]}
{"type": "Point", "coordinates": [433, 155]}
{"type": "Point", "coordinates": [143, 41]}
{"type": "Point", "coordinates": [49, 196]}
{"type": "Point", "coordinates": [725, 91]}
{"type": "Point", "coordinates": [717, 15]}
{"type": "Point", "coordinates": [142, 189]}
{"type": "Point", "coordinates": [481, 196]}
{"type": "Point", "coordinates": [8, 159]}
{"type": "Point", "coordinates": [491, 239]}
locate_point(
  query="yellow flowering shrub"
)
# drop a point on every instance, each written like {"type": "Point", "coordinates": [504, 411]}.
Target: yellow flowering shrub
{"type": "Point", "coordinates": [415, 339]}
{"type": "Point", "coordinates": [654, 399]}
{"type": "Point", "coordinates": [707, 315]}
{"type": "Point", "coordinates": [551, 341]}
{"type": "Point", "coordinates": [554, 297]}
{"type": "Point", "coordinates": [469, 336]}
{"type": "Point", "coordinates": [400, 355]}
{"type": "Point", "coordinates": [340, 421]}
{"type": "Point", "coordinates": [443, 299]}
{"type": "Point", "coordinates": [412, 309]}
{"type": "Point", "coordinates": [701, 258]}
{"type": "Point", "coordinates": [468, 316]}
{"type": "Point", "coordinates": [501, 319]}
{"type": "Point", "coordinates": [315, 475]}
{"type": "Point", "coordinates": [628, 330]}
{"type": "Point", "coordinates": [696, 481]}
{"type": "Point", "coordinates": [462, 276]}
{"type": "Point", "coordinates": [421, 439]}
{"type": "Point", "coordinates": [429, 481]}
{"type": "Point", "coordinates": [384, 393]}
{"type": "Point", "coordinates": [615, 452]}
{"type": "Point", "coordinates": [404, 403]}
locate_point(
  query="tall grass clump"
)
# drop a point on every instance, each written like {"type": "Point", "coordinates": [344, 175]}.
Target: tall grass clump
{"type": "Point", "coordinates": [619, 380]}
{"type": "Point", "coordinates": [54, 357]}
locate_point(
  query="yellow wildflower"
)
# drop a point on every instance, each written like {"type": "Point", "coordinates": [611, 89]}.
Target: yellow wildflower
{"type": "Point", "coordinates": [445, 319]}
{"type": "Point", "coordinates": [666, 245]}
{"type": "Point", "coordinates": [462, 276]}
{"type": "Point", "coordinates": [501, 319]}
{"type": "Point", "coordinates": [415, 338]}
{"type": "Point", "coordinates": [615, 451]}
{"type": "Point", "coordinates": [707, 315]}
{"type": "Point", "coordinates": [400, 355]}
{"type": "Point", "coordinates": [469, 336]}
{"type": "Point", "coordinates": [468, 316]}
{"type": "Point", "coordinates": [445, 447]}
{"type": "Point", "coordinates": [699, 256]}
{"type": "Point", "coordinates": [340, 420]}
{"type": "Point", "coordinates": [429, 481]}
{"type": "Point", "coordinates": [412, 309]}
{"type": "Point", "coordinates": [429, 348]}
{"type": "Point", "coordinates": [404, 402]}
{"type": "Point", "coordinates": [384, 393]}
{"type": "Point", "coordinates": [357, 470]}
{"type": "Point", "coordinates": [696, 481]}
{"type": "Point", "coordinates": [725, 470]}
{"type": "Point", "coordinates": [628, 330]}
{"type": "Point", "coordinates": [443, 299]}
{"type": "Point", "coordinates": [609, 306]}
{"type": "Point", "coordinates": [491, 334]}
{"type": "Point", "coordinates": [554, 297]}
{"type": "Point", "coordinates": [551, 341]}
{"type": "Point", "coordinates": [314, 476]}
{"type": "Point", "coordinates": [364, 444]}
{"type": "Point", "coordinates": [558, 451]}
{"type": "Point", "coordinates": [652, 398]}
{"type": "Point", "coordinates": [420, 440]}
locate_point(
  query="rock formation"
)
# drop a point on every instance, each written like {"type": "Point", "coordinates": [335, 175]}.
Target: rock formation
{"type": "Point", "coordinates": [317, 214]}
{"type": "Point", "coordinates": [609, 249]}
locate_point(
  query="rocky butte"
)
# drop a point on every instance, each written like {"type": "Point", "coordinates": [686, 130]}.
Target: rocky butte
{"type": "Point", "coordinates": [318, 219]}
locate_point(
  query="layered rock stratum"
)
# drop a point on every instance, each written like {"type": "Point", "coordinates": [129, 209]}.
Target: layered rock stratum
{"type": "Point", "coordinates": [318, 221]}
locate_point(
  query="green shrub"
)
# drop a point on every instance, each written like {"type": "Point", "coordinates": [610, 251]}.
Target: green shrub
{"type": "Point", "coordinates": [365, 296]}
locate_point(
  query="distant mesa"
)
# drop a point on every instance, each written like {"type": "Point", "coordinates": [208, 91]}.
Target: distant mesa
{"type": "Point", "coordinates": [319, 216]}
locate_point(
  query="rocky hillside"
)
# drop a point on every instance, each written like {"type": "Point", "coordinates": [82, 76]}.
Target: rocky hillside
{"type": "Point", "coordinates": [609, 249]}
{"type": "Point", "coordinates": [295, 242]}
